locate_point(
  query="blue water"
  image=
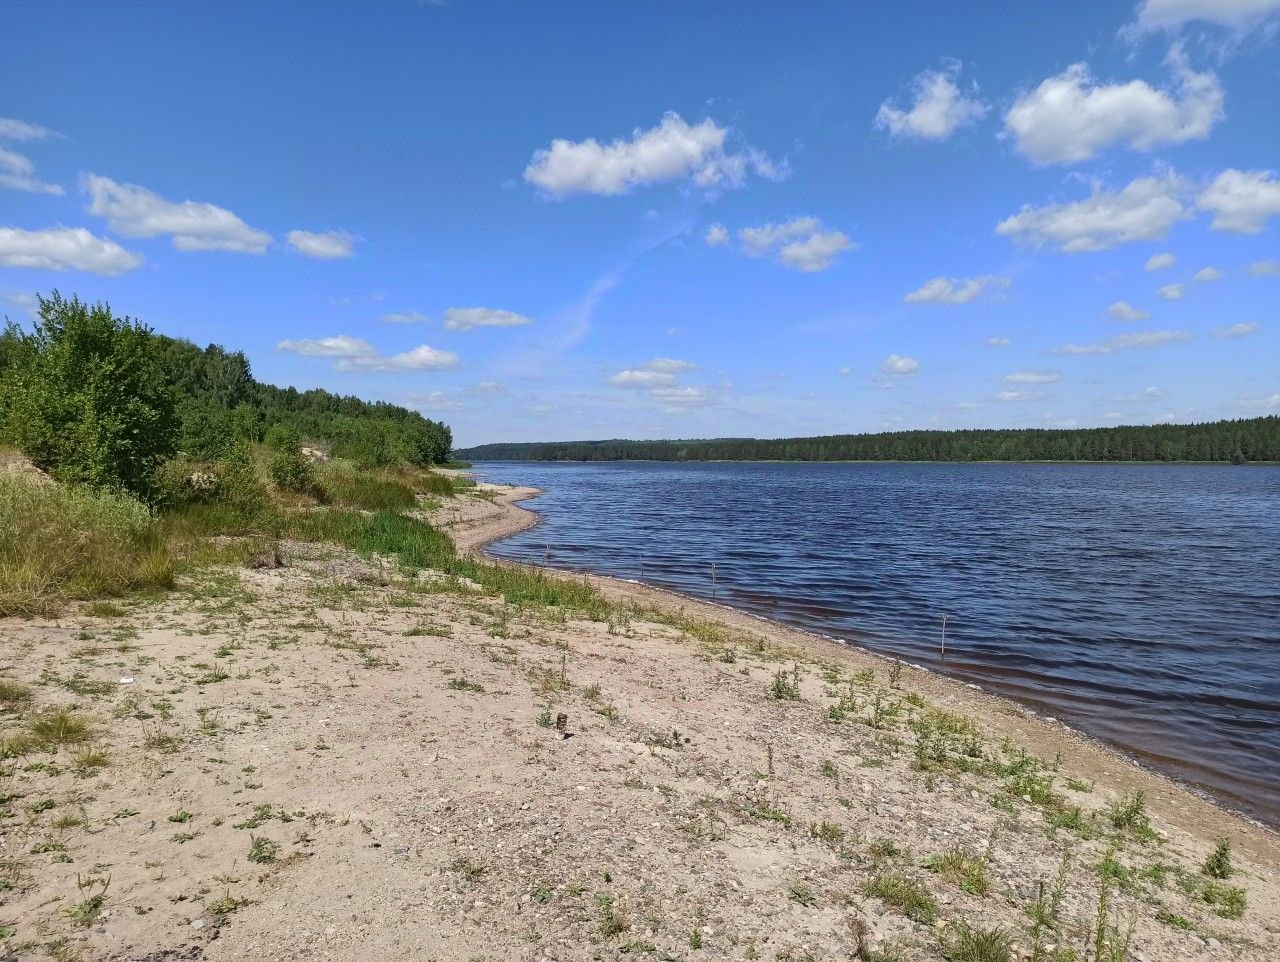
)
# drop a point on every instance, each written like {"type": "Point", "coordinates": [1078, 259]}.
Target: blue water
{"type": "Point", "coordinates": [1137, 603]}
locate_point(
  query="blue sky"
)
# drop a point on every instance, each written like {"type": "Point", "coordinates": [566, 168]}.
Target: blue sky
{"type": "Point", "coordinates": [548, 220]}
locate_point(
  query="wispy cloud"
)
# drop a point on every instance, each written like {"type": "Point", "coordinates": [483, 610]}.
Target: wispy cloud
{"type": "Point", "coordinates": [1126, 342]}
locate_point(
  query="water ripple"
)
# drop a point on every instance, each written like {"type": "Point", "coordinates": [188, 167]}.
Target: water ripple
{"type": "Point", "coordinates": [1138, 603]}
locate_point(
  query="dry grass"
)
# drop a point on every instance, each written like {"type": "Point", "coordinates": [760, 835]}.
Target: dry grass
{"type": "Point", "coordinates": [59, 543]}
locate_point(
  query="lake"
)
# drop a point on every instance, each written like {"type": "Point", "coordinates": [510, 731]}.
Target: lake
{"type": "Point", "coordinates": [1137, 603]}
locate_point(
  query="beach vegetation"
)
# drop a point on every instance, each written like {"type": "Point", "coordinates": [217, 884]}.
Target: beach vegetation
{"type": "Point", "coordinates": [1217, 864]}
{"type": "Point", "coordinates": [968, 943]}
{"type": "Point", "coordinates": [907, 896]}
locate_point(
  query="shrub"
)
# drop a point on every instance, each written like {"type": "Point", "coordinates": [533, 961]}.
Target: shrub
{"type": "Point", "coordinates": [59, 543]}
{"type": "Point", "coordinates": [88, 403]}
{"type": "Point", "coordinates": [291, 471]}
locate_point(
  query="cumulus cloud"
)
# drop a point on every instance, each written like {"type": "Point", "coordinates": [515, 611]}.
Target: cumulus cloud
{"type": "Point", "coordinates": [900, 365]}
{"type": "Point", "coordinates": [328, 245]}
{"type": "Point", "coordinates": [673, 150]}
{"type": "Point", "coordinates": [1264, 269]}
{"type": "Point", "coordinates": [657, 379]}
{"type": "Point", "coordinates": [193, 226]}
{"type": "Point", "coordinates": [420, 358]}
{"type": "Point", "coordinates": [403, 317]}
{"type": "Point", "coordinates": [1170, 292]}
{"type": "Point", "coordinates": [938, 108]}
{"type": "Point", "coordinates": [1145, 209]}
{"type": "Point", "coordinates": [801, 243]}
{"type": "Point", "coordinates": [340, 345]}
{"type": "Point", "coordinates": [1241, 201]}
{"type": "Point", "coordinates": [1233, 14]}
{"type": "Point", "coordinates": [1207, 274]}
{"type": "Point", "coordinates": [1070, 117]}
{"type": "Point", "coordinates": [358, 355]}
{"type": "Point", "coordinates": [1158, 262]}
{"type": "Point", "coordinates": [716, 235]}
{"type": "Point", "coordinates": [1234, 330]}
{"type": "Point", "coordinates": [998, 342]}
{"type": "Point", "coordinates": [1124, 311]}
{"type": "Point", "coordinates": [17, 172]}
{"type": "Point", "coordinates": [954, 290]}
{"type": "Point", "coordinates": [60, 248]}
{"type": "Point", "coordinates": [1126, 342]}
{"type": "Point", "coordinates": [1031, 377]}
{"type": "Point", "coordinates": [469, 318]}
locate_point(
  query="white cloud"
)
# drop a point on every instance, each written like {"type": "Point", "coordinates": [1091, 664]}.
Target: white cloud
{"type": "Point", "coordinates": [673, 150]}
{"type": "Point", "coordinates": [998, 342]}
{"type": "Point", "coordinates": [844, 371]}
{"type": "Point", "coordinates": [1241, 201]}
{"type": "Point", "coordinates": [1124, 311]}
{"type": "Point", "coordinates": [1270, 402]}
{"type": "Point", "coordinates": [670, 365]}
{"type": "Point", "coordinates": [1207, 274]}
{"type": "Point", "coordinates": [420, 358]}
{"type": "Point", "coordinates": [1015, 396]}
{"type": "Point", "coordinates": [328, 245]}
{"type": "Point", "coordinates": [14, 129]}
{"type": "Point", "coordinates": [717, 234]}
{"type": "Point", "coordinates": [137, 212]}
{"type": "Point", "coordinates": [1125, 342]}
{"type": "Point", "coordinates": [676, 398]}
{"type": "Point", "coordinates": [1070, 117]}
{"type": "Point", "coordinates": [1031, 377]}
{"type": "Point", "coordinates": [1158, 262]}
{"type": "Point", "coordinates": [340, 345]}
{"type": "Point", "coordinates": [403, 317]}
{"type": "Point", "coordinates": [954, 290]}
{"type": "Point", "coordinates": [1264, 269]}
{"type": "Point", "coordinates": [1146, 209]}
{"type": "Point", "coordinates": [938, 108]}
{"type": "Point", "coordinates": [357, 354]}
{"type": "Point", "coordinates": [1170, 292]}
{"type": "Point", "coordinates": [1235, 330]}
{"type": "Point", "coordinates": [469, 318]}
{"type": "Point", "coordinates": [640, 378]}
{"type": "Point", "coordinates": [900, 365]}
{"type": "Point", "coordinates": [59, 248]}
{"type": "Point", "coordinates": [17, 172]}
{"type": "Point", "coordinates": [1235, 14]}
{"type": "Point", "coordinates": [800, 243]}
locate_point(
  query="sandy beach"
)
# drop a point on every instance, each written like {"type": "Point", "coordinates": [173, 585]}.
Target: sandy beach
{"type": "Point", "coordinates": [338, 760]}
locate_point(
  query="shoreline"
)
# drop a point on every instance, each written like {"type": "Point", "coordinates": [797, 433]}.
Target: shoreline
{"type": "Point", "coordinates": [1181, 805]}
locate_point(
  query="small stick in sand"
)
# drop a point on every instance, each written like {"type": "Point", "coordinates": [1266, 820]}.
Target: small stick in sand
{"type": "Point", "coordinates": [942, 645]}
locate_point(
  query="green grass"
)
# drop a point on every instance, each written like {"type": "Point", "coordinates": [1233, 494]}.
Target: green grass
{"type": "Point", "coordinates": [971, 944]}
{"type": "Point", "coordinates": [368, 490]}
{"type": "Point", "coordinates": [62, 543]}
{"type": "Point", "coordinates": [965, 871]}
{"type": "Point", "coordinates": [906, 896]}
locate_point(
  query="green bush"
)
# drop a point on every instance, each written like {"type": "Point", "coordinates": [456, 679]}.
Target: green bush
{"type": "Point", "coordinates": [291, 471]}
{"type": "Point", "coordinates": [84, 398]}
{"type": "Point", "coordinates": [59, 543]}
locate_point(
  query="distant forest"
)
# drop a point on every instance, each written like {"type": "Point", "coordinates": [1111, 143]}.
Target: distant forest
{"type": "Point", "coordinates": [1255, 439]}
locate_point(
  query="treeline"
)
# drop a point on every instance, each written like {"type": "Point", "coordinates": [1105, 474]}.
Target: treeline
{"type": "Point", "coordinates": [1237, 441]}
{"type": "Point", "coordinates": [102, 400]}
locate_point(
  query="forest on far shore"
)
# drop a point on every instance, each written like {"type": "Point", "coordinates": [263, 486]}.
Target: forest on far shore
{"type": "Point", "coordinates": [1236, 441]}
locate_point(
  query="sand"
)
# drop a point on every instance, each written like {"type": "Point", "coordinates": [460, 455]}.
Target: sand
{"type": "Point", "coordinates": [332, 761]}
